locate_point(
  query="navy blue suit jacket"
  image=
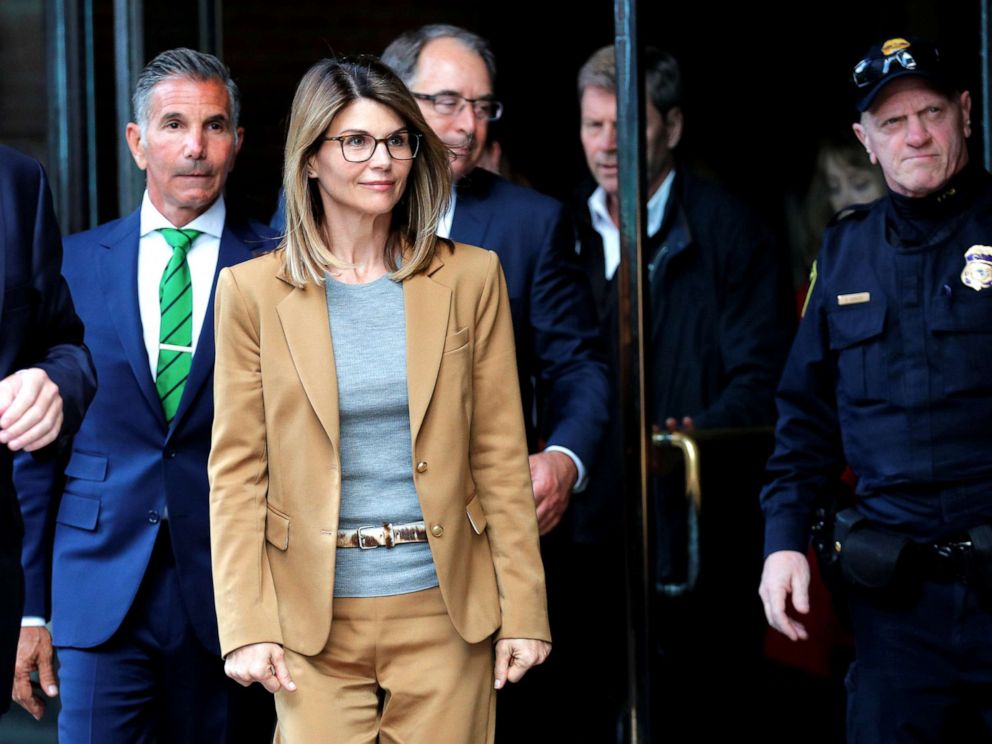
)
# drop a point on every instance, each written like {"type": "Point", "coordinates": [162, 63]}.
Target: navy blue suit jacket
{"type": "Point", "coordinates": [126, 465]}
{"type": "Point", "coordinates": [559, 352]}
{"type": "Point", "coordinates": [38, 328]}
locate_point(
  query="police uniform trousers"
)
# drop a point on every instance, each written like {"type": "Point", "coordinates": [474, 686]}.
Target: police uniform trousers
{"type": "Point", "coordinates": [394, 670]}
{"type": "Point", "coordinates": [923, 669]}
{"type": "Point", "coordinates": [153, 681]}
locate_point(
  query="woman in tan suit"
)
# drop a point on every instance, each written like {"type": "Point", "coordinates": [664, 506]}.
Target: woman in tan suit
{"type": "Point", "coordinates": [372, 519]}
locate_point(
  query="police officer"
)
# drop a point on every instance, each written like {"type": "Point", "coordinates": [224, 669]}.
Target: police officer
{"type": "Point", "coordinates": [891, 371]}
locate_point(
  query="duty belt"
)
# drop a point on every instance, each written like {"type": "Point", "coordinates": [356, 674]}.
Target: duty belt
{"type": "Point", "coordinates": [384, 536]}
{"type": "Point", "coordinates": [949, 560]}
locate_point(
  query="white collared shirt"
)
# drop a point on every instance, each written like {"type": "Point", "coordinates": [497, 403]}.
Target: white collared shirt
{"type": "Point", "coordinates": [154, 254]}
{"type": "Point", "coordinates": [609, 232]}
{"type": "Point", "coordinates": [444, 225]}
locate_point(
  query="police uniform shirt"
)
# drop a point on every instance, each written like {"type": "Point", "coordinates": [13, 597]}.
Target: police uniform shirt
{"type": "Point", "coordinates": [891, 370]}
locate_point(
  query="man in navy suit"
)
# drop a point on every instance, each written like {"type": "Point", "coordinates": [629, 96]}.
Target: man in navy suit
{"type": "Point", "coordinates": [48, 377]}
{"type": "Point", "coordinates": [131, 597]}
{"type": "Point", "coordinates": [451, 72]}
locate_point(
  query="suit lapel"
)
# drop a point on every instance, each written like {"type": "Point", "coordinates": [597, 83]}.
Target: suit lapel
{"type": "Point", "coordinates": [303, 316]}
{"type": "Point", "coordinates": [427, 305]}
{"type": "Point", "coordinates": [118, 267]}
{"type": "Point", "coordinates": [471, 219]}
{"type": "Point", "coordinates": [233, 249]}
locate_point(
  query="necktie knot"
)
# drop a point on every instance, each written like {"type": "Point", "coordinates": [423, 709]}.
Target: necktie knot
{"type": "Point", "coordinates": [179, 239]}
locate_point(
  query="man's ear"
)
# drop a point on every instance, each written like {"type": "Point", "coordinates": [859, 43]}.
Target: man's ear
{"type": "Point", "coordinates": [862, 135]}
{"type": "Point", "coordinates": [133, 136]}
{"type": "Point", "coordinates": [673, 127]}
{"type": "Point", "coordinates": [966, 112]}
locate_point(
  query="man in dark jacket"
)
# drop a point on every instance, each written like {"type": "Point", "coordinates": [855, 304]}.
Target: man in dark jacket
{"type": "Point", "coordinates": [48, 378]}
{"type": "Point", "coordinates": [719, 323]}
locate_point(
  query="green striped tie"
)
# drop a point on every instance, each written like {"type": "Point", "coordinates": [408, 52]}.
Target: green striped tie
{"type": "Point", "coordinates": [175, 297]}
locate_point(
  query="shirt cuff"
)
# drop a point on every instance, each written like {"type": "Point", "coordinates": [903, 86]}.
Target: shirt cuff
{"type": "Point", "coordinates": [583, 480]}
{"type": "Point", "coordinates": [31, 621]}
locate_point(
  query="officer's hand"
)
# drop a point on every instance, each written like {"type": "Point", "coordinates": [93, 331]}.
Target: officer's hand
{"type": "Point", "coordinates": [264, 663]}
{"type": "Point", "coordinates": [786, 573]}
{"type": "Point", "coordinates": [34, 653]}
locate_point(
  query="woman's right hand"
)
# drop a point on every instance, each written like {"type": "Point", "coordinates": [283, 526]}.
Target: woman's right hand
{"type": "Point", "coordinates": [264, 663]}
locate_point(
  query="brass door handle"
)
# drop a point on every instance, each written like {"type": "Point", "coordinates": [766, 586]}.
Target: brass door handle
{"type": "Point", "coordinates": [690, 453]}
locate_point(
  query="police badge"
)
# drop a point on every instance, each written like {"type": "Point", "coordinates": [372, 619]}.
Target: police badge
{"type": "Point", "coordinates": [977, 272]}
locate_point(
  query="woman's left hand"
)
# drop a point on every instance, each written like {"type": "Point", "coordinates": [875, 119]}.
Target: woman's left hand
{"type": "Point", "coordinates": [514, 656]}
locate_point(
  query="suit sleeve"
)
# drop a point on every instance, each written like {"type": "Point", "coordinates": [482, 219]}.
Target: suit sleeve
{"type": "Point", "coordinates": [54, 344]}
{"type": "Point", "coordinates": [238, 471]}
{"type": "Point", "coordinates": [572, 378]}
{"type": "Point", "coordinates": [56, 341]}
{"type": "Point", "coordinates": [754, 332]}
{"type": "Point", "coordinates": [808, 452]}
{"type": "Point", "coordinates": [38, 483]}
{"type": "Point", "coordinates": [498, 459]}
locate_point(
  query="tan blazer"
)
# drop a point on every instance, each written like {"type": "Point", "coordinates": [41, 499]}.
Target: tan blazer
{"type": "Point", "coordinates": [275, 469]}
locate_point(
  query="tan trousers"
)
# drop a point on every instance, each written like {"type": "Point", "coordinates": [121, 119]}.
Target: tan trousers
{"type": "Point", "coordinates": [393, 668]}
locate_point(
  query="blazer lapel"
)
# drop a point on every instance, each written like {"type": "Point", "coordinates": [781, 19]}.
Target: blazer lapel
{"type": "Point", "coordinates": [118, 267]}
{"type": "Point", "coordinates": [427, 305]}
{"type": "Point", "coordinates": [233, 249]}
{"type": "Point", "coordinates": [303, 316]}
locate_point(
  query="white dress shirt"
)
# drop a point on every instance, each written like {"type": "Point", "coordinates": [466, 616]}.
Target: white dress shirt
{"type": "Point", "coordinates": [444, 226]}
{"type": "Point", "coordinates": [603, 224]}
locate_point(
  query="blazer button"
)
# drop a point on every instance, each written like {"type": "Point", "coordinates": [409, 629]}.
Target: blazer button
{"type": "Point", "coordinates": [153, 517]}
{"type": "Point", "coordinates": [437, 530]}
{"type": "Point", "coordinates": [422, 466]}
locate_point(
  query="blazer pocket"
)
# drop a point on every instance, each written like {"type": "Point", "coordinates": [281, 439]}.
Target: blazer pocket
{"type": "Point", "coordinates": [456, 340]}
{"type": "Point", "coordinates": [476, 516]}
{"type": "Point", "coordinates": [277, 529]}
{"type": "Point", "coordinates": [87, 467]}
{"type": "Point", "coordinates": [78, 511]}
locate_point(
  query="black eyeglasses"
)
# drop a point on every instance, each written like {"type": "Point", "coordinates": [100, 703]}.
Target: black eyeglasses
{"type": "Point", "coordinates": [872, 69]}
{"type": "Point", "coordinates": [359, 147]}
{"type": "Point", "coordinates": [450, 104]}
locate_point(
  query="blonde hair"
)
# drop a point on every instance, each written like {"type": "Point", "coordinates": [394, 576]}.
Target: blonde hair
{"type": "Point", "coordinates": [327, 88]}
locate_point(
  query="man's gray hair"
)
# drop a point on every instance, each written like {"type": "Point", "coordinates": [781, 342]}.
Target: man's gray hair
{"type": "Point", "coordinates": [661, 76]}
{"type": "Point", "coordinates": [404, 52]}
{"type": "Point", "coordinates": [183, 63]}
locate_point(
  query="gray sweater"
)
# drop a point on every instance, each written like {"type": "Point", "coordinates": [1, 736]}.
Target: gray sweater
{"type": "Point", "coordinates": [368, 331]}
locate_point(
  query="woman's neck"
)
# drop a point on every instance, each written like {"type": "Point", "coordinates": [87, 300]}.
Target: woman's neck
{"type": "Point", "coordinates": [360, 242]}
